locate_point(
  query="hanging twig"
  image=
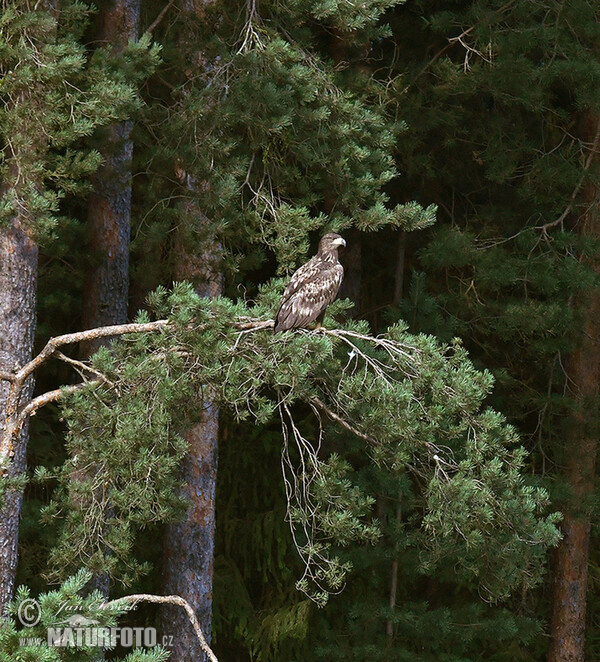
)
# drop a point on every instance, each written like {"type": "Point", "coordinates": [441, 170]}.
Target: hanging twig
{"type": "Point", "coordinates": [347, 426]}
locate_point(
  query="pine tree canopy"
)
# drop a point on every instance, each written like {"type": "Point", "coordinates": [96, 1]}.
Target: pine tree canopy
{"type": "Point", "coordinates": [48, 74]}
{"type": "Point", "coordinates": [416, 405]}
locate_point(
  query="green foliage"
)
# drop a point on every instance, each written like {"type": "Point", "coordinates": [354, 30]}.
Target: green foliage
{"type": "Point", "coordinates": [493, 131]}
{"type": "Point", "coordinates": [134, 448]}
{"type": "Point", "coordinates": [47, 73]}
{"type": "Point", "coordinates": [344, 16]}
{"type": "Point", "coordinates": [255, 606]}
{"type": "Point", "coordinates": [433, 615]}
{"type": "Point", "coordinates": [271, 139]}
{"type": "Point", "coordinates": [263, 126]}
{"type": "Point", "coordinates": [496, 96]}
{"type": "Point", "coordinates": [416, 404]}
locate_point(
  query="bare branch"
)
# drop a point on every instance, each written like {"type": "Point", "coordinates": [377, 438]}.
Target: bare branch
{"type": "Point", "coordinates": [451, 42]}
{"type": "Point", "coordinates": [82, 367]}
{"type": "Point", "coordinates": [569, 208]}
{"type": "Point", "coordinates": [172, 600]}
{"type": "Point", "coordinates": [51, 396]}
{"type": "Point", "coordinates": [91, 334]}
{"type": "Point", "coordinates": [347, 426]}
{"type": "Point", "coordinates": [254, 325]}
{"type": "Point", "coordinates": [160, 17]}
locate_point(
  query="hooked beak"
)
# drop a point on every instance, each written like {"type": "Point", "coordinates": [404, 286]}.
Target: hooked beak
{"type": "Point", "coordinates": [339, 242]}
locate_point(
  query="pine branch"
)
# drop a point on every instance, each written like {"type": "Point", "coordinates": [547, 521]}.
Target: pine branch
{"type": "Point", "coordinates": [41, 400]}
{"type": "Point", "coordinates": [172, 600]}
{"type": "Point", "coordinates": [338, 419]}
{"type": "Point", "coordinates": [91, 334]}
{"type": "Point", "coordinates": [16, 414]}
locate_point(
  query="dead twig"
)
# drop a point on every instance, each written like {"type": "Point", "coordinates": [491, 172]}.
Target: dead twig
{"type": "Point", "coordinates": [160, 17]}
{"type": "Point", "coordinates": [340, 421]}
{"type": "Point", "coordinates": [172, 600]}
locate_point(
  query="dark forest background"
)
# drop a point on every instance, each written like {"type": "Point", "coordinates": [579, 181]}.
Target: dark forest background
{"type": "Point", "coordinates": [454, 145]}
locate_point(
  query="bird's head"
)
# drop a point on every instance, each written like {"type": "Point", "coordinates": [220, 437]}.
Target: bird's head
{"type": "Point", "coordinates": [331, 242]}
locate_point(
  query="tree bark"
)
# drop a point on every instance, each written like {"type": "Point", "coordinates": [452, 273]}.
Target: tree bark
{"type": "Point", "coordinates": [580, 446]}
{"type": "Point", "coordinates": [18, 285]}
{"type": "Point", "coordinates": [106, 285]}
{"type": "Point", "coordinates": [188, 549]}
{"type": "Point", "coordinates": [189, 545]}
{"type": "Point", "coordinates": [399, 271]}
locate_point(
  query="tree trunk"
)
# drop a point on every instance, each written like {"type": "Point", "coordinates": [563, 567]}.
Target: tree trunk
{"type": "Point", "coordinates": [18, 284]}
{"type": "Point", "coordinates": [399, 270]}
{"type": "Point", "coordinates": [188, 549]}
{"type": "Point", "coordinates": [189, 545]}
{"type": "Point", "coordinates": [106, 284]}
{"type": "Point", "coordinates": [580, 446]}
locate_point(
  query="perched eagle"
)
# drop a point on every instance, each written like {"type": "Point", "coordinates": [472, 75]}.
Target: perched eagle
{"type": "Point", "coordinates": [312, 287]}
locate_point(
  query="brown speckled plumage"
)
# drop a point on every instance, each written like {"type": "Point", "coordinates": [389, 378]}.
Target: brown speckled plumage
{"type": "Point", "coordinates": [312, 287]}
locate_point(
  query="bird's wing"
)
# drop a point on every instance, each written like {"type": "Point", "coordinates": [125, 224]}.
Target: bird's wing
{"type": "Point", "coordinates": [301, 276]}
{"type": "Point", "coordinates": [312, 288]}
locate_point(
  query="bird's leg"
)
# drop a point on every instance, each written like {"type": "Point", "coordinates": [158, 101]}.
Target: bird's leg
{"type": "Point", "coordinates": [319, 321]}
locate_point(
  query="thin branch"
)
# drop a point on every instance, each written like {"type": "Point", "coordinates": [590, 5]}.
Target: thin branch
{"type": "Point", "coordinates": [160, 17]}
{"type": "Point", "coordinates": [172, 600]}
{"type": "Point", "coordinates": [586, 167]}
{"type": "Point", "coordinates": [91, 334]}
{"type": "Point", "coordinates": [254, 325]}
{"type": "Point", "coordinates": [451, 42]}
{"type": "Point", "coordinates": [569, 208]}
{"type": "Point", "coordinates": [338, 419]}
{"type": "Point", "coordinates": [82, 367]}
{"type": "Point", "coordinates": [46, 398]}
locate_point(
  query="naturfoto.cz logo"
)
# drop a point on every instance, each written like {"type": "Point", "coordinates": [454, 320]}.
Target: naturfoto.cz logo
{"type": "Point", "coordinates": [78, 631]}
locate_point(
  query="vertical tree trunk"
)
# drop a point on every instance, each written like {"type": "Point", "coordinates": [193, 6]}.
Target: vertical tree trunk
{"type": "Point", "coordinates": [106, 284]}
{"type": "Point", "coordinates": [352, 284]}
{"type": "Point", "coordinates": [580, 447]}
{"type": "Point", "coordinates": [109, 207]}
{"type": "Point", "coordinates": [189, 545]}
{"type": "Point", "coordinates": [399, 271]}
{"type": "Point", "coordinates": [18, 284]}
{"type": "Point", "coordinates": [188, 549]}
{"type": "Point", "coordinates": [18, 290]}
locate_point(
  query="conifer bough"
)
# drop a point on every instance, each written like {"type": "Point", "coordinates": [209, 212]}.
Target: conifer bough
{"type": "Point", "coordinates": [418, 405]}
